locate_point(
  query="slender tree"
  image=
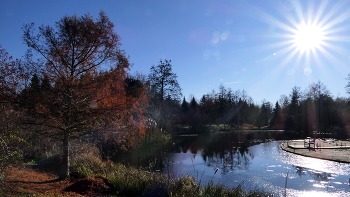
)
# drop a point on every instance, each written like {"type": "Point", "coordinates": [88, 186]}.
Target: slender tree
{"type": "Point", "coordinates": [294, 115]}
{"type": "Point", "coordinates": [184, 111]}
{"type": "Point", "coordinates": [165, 92]}
{"type": "Point", "coordinates": [163, 81]}
{"type": "Point", "coordinates": [276, 117]}
{"type": "Point", "coordinates": [194, 114]}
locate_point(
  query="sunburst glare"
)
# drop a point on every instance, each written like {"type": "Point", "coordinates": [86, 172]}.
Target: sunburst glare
{"type": "Point", "coordinates": [313, 30]}
{"type": "Point", "coordinates": [308, 37]}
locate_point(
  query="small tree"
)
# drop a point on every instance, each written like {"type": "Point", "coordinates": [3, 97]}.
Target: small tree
{"type": "Point", "coordinates": [184, 111]}
{"type": "Point", "coordinates": [165, 92]}
{"type": "Point", "coordinates": [193, 116]}
{"type": "Point", "coordinates": [275, 119]}
{"type": "Point", "coordinates": [293, 120]}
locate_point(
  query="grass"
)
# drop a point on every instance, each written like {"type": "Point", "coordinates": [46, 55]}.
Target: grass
{"type": "Point", "coordinates": [125, 180]}
{"type": "Point", "coordinates": [129, 181]}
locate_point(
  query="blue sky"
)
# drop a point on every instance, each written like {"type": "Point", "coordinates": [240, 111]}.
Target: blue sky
{"type": "Point", "coordinates": [251, 45]}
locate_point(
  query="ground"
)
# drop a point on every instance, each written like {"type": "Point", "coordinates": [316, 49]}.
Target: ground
{"type": "Point", "coordinates": [328, 150]}
{"type": "Point", "coordinates": [24, 181]}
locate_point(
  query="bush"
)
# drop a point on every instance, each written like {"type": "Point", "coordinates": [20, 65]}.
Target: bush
{"type": "Point", "coordinates": [185, 186]}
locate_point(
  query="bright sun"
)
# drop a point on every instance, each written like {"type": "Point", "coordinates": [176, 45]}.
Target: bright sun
{"type": "Point", "coordinates": [308, 37]}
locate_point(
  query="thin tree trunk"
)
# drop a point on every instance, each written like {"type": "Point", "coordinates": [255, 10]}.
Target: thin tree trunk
{"type": "Point", "coordinates": [64, 168]}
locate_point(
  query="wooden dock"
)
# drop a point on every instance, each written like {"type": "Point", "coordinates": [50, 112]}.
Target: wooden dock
{"type": "Point", "coordinates": [318, 144]}
{"type": "Point", "coordinates": [332, 150]}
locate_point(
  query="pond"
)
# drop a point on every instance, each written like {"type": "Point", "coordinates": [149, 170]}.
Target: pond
{"type": "Point", "coordinates": [250, 161]}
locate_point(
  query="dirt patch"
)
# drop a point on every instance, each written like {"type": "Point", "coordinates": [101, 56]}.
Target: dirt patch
{"type": "Point", "coordinates": [90, 186]}
{"type": "Point", "coordinates": [24, 181]}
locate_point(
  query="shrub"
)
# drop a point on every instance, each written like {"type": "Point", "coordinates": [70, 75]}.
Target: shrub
{"type": "Point", "coordinates": [185, 186]}
{"type": "Point", "coordinates": [125, 180]}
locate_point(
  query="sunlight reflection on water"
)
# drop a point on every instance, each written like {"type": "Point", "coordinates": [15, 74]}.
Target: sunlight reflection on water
{"type": "Point", "coordinates": [272, 151]}
{"type": "Point", "coordinates": [267, 167]}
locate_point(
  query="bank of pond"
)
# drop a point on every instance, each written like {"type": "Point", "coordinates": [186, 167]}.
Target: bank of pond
{"type": "Point", "coordinates": [245, 159]}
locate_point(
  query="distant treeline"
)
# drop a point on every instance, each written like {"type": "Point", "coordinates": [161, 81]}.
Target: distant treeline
{"type": "Point", "coordinates": [308, 112]}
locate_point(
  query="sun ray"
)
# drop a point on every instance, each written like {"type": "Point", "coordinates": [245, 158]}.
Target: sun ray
{"type": "Point", "coordinates": [320, 11]}
{"type": "Point", "coordinates": [265, 17]}
{"type": "Point", "coordinates": [331, 31]}
{"type": "Point", "coordinates": [299, 12]}
{"type": "Point", "coordinates": [331, 24]}
{"type": "Point", "coordinates": [333, 12]}
{"type": "Point", "coordinates": [334, 61]}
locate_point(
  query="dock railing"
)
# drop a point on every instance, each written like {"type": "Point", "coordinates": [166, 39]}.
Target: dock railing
{"type": "Point", "coordinates": [308, 141]}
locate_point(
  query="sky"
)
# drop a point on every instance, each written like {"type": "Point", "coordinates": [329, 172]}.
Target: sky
{"type": "Point", "coordinates": [265, 47]}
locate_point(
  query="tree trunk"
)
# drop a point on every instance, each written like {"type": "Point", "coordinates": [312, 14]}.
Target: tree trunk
{"type": "Point", "coordinates": [64, 168]}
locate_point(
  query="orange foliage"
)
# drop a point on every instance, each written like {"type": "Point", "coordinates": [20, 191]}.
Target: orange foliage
{"type": "Point", "coordinates": [128, 118]}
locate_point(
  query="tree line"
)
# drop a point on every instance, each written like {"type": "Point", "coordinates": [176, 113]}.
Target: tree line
{"type": "Point", "coordinates": [311, 111]}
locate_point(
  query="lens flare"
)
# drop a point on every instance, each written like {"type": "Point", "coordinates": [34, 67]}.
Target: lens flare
{"type": "Point", "coordinates": [224, 35]}
{"type": "Point", "coordinates": [307, 71]}
{"type": "Point", "coordinates": [215, 40]}
{"type": "Point", "coordinates": [291, 71]}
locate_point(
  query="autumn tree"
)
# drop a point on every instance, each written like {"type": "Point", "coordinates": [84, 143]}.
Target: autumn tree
{"type": "Point", "coordinates": [131, 118]}
{"type": "Point", "coordinates": [79, 84]}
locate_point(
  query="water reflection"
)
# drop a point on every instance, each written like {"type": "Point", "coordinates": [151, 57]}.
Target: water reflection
{"type": "Point", "coordinates": [315, 175]}
{"type": "Point", "coordinates": [252, 158]}
{"type": "Point", "coordinates": [228, 152]}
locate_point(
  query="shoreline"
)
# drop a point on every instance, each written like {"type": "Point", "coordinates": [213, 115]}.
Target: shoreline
{"type": "Point", "coordinates": [326, 150]}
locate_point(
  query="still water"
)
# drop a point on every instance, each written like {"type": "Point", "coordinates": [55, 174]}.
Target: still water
{"type": "Point", "coordinates": [254, 164]}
